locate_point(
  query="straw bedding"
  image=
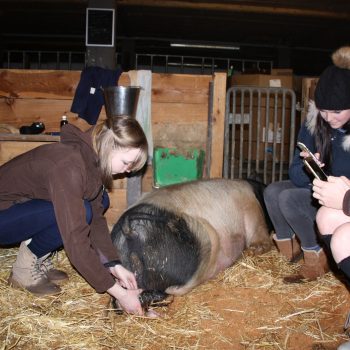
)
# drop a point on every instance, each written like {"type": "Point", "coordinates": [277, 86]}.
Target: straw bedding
{"type": "Point", "coordinates": [245, 307]}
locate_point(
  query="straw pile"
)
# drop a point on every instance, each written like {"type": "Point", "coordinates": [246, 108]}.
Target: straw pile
{"type": "Point", "coordinates": [245, 307]}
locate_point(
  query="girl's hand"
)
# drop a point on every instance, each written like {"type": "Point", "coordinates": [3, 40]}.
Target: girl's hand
{"type": "Point", "coordinates": [317, 156]}
{"type": "Point", "coordinates": [127, 298]}
{"type": "Point", "coordinates": [346, 180]}
{"type": "Point", "coordinates": [125, 277]}
{"type": "Point", "coordinates": [331, 193]}
{"type": "Point", "coordinates": [303, 154]}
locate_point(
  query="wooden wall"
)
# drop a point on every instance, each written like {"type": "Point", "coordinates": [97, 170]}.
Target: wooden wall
{"type": "Point", "coordinates": [179, 114]}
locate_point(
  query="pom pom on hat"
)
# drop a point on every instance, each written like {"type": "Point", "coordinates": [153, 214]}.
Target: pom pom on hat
{"type": "Point", "coordinates": [333, 87]}
{"type": "Point", "coordinates": [341, 57]}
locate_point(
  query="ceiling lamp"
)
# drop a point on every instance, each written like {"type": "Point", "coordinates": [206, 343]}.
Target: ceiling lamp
{"type": "Point", "coordinates": [204, 46]}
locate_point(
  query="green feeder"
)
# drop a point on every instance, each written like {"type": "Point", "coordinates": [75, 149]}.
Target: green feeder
{"type": "Point", "coordinates": [171, 166]}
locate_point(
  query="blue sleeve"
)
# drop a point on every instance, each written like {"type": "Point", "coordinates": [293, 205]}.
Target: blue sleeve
{"type": "Point", "coordinates": [297, 172]}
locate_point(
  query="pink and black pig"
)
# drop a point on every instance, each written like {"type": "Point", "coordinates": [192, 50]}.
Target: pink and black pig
{"type": "Point", "coordinates": [179, 236]}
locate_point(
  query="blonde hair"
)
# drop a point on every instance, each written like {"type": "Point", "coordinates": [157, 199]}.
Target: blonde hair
{"type": "Point", "coordinates": [116, 133]}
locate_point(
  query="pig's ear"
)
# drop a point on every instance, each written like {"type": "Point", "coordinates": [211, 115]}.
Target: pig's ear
{"type": "Point", "coordinates": [204, 233]}
{"type": "Point", "coordinates": [123, 229]}
{"type": "Point", "coordinates": [209, 247]}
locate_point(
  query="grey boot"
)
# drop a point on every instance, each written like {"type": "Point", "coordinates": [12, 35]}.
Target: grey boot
{"type": "Point", "coordinates": [26, 273]}
{"type": "Point", "coordinates": [47, 266]}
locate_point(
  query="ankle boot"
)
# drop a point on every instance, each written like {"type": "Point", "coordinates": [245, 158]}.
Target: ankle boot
{"type": "Point", "coordinates": [289, 248]}
{"type": "Point", "coordinates": [26, 273]}
{"type": "Point", "coordinates": [315, 265]}
{"type": "Point", "coordinates": [47, 266]}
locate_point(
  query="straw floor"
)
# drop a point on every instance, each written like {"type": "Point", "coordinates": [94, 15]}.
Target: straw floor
{"type": "Point", "coordinates": [245, 307]}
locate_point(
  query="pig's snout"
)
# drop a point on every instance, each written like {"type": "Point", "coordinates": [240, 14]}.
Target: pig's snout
{"type": "Point", "coordinates": [154, 298]}
{"type": "Point", "coordinates": [148, 298]}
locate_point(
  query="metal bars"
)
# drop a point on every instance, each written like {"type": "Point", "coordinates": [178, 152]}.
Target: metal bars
{"type": "Point", "coordinates": [196, 64]}
{"type": "Point", "coordinates": [259, 132]}
{"type": "Point", "coordinates": [69, 60]}
{"type": "Point", "coordinates": [66, 60]}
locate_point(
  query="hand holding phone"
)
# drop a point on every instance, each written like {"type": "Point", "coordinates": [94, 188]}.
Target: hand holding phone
{"type": "Point", "coordinates": [312, 163]}
{"type": "Point", "coordinates": [305, 149]}
{"type": "Point", "coordinates": [315, 169]}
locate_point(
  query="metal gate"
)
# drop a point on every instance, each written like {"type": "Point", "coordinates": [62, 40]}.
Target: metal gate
{"type": "Point", "coordinates": [259, 132]}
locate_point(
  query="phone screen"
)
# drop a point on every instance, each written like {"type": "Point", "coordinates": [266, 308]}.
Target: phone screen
{"type": "Point", "coordinates": [315, 169]}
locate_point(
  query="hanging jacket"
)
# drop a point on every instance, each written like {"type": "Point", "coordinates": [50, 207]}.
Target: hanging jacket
{"type": "Point", "coordinates": [88, 98]}
{"type": "Point", "coordinates": [66, 173]}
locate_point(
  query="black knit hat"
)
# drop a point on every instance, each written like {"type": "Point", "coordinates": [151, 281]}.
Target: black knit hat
{"type": "Point", "coordinates": [333, 87]}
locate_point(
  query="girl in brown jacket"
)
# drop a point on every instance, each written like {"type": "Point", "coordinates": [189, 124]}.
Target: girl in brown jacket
{"type": "Point", "coordinates": [54, 195]}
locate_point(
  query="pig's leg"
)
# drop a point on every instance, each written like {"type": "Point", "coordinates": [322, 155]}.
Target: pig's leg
{"type": "Point", "coordinates": [258, 240]}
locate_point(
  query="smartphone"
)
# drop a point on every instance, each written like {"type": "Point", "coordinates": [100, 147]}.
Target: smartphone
{"type": "Point", "coordinates": [315, 169]}
{"type": "Point", "coordinates": [311, 162]}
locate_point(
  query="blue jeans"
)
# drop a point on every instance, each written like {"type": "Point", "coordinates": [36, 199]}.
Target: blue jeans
{"type": "Point", "coordinates": [36, 219]}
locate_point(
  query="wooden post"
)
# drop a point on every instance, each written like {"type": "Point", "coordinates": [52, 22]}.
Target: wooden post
{"type": "Point", "coordinates": [218, 125]}
{"type": "Point", "coordinates": [105, 57]}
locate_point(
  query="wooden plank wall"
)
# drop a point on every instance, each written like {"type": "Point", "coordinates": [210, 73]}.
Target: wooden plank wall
{"type": "Point", "coordinates": [29, 96]}
{"type": "Point", "coordinates": [179, 113]}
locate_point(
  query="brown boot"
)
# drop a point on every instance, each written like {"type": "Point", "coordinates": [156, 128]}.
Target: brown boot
{"type": "Point", "coordinates": [47, 266]}
{"type": "Point", "coordinates": [26, 273]}
{"type": "Point", "coordinates": [289, 248]}
{"type": "Point", "coordinates": [315, 265]}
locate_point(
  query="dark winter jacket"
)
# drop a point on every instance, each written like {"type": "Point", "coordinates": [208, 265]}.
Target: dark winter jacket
{"type": "Point", "coordinates": [66, 173]}
{"type": "Point", "coordinates": [340, 151]}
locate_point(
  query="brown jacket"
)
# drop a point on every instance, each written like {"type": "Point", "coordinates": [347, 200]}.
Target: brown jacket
{"type": "Point", "coordinates": [66, 173]}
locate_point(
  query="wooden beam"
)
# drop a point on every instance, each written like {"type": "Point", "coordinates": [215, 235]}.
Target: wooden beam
{"type": "Point", "coordinates": [239, 6]}
{"type": "Point", "coordinates": [218, 125]}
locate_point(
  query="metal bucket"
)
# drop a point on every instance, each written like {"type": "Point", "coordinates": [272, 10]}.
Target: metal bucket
{"type": "Point", "coordinates": [121, 100]}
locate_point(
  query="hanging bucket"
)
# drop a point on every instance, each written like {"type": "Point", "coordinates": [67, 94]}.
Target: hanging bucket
{"type": "Point", "coordinates": [121, 100]}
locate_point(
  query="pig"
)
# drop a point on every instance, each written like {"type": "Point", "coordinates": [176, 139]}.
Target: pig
{"type": "Point", "coordinates": [179, 236]}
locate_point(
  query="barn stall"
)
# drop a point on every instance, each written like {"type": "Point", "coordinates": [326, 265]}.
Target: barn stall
{"type": "Point", "coordinates": [245, 307]}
